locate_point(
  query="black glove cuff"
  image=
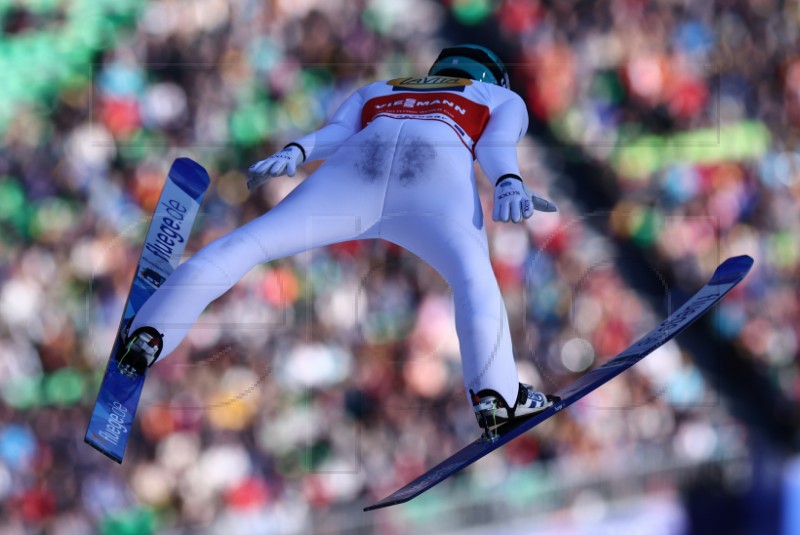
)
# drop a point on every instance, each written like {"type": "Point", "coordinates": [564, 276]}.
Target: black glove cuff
{"type": "Point", "coordinates": [509, 175]}
{"type": "Point", "coordinates": [299, 146]}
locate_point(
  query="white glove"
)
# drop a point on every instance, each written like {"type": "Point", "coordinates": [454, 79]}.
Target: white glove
{"type": "Point", "coordinates": [513, 201]}
{"type": "Point", "coordinates": [280, 163]}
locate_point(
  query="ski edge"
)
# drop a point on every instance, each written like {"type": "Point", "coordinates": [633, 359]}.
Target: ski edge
{"type": "Point", "coordinates": [99, 447]}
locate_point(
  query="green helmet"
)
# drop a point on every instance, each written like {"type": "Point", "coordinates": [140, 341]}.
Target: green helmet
{"type": "Point", "coordinates": [471, 61]}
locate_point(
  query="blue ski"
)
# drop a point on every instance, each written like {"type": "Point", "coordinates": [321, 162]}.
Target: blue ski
{"type": "Point", "coordinates": [166, 239]}
{"type": "Point", "coordinates": [727, 275]}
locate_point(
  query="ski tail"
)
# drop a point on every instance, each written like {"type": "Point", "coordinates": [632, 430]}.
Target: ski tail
{"type": "Point", "coordinates": [725, 278]}
{"type": "Point", "coordinates": [114, 410]}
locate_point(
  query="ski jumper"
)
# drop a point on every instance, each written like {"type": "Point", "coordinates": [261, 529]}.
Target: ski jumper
{"type": "Point", "coordinates": [399, 166]}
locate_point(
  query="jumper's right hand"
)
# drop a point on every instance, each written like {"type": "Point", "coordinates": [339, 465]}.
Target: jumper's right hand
{"type": "Point", "coordinates": [284, 162]}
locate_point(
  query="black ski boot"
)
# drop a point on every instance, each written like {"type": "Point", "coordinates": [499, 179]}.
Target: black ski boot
{"type": "Point", "coordinates": [492, 411]}
{"type": "Point", "coordinates": [140, 351]}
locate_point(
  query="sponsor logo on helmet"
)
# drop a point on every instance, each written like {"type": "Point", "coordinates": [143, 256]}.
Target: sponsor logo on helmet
{"type": "Point", "coordinates": [429, 83]}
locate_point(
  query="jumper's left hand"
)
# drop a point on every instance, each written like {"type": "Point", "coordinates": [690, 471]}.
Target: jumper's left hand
{"type": "Point", "coordinates": [513, 201]}
{"type": "Point", "coordinates": [284, 162]}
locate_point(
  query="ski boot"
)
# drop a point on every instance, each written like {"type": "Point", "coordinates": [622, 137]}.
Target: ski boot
{"type": "Point", "coordinates": [140, 351]}
{"type": "Point", "coordinates": [492, 411]}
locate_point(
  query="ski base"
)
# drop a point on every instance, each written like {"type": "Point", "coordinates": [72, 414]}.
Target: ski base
{"type": "Point", "coordinates": [178, 205]}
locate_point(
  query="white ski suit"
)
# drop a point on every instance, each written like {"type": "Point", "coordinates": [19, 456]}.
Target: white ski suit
{"type": "Point", "coordinates": [399, 166]}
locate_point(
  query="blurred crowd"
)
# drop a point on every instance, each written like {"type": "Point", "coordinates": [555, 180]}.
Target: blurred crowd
{"type": "Point", "coordinates": [694, 105]}
{"type": "Point", "coordinates": [329, 379]}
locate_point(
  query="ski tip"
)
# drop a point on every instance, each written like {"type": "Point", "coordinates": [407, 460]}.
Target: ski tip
{"type": "Point", "coordinates": [732, 270]}
{"type": "Point", "coordinates": [190, 176]}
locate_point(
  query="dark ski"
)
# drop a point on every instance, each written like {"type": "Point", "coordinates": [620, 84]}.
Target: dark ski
{"type": "Point", "coordinates": [725, 278]}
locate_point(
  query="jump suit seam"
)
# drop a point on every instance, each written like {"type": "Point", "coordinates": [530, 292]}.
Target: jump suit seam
{"type": "Point", "coordinates": [388, 181]}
